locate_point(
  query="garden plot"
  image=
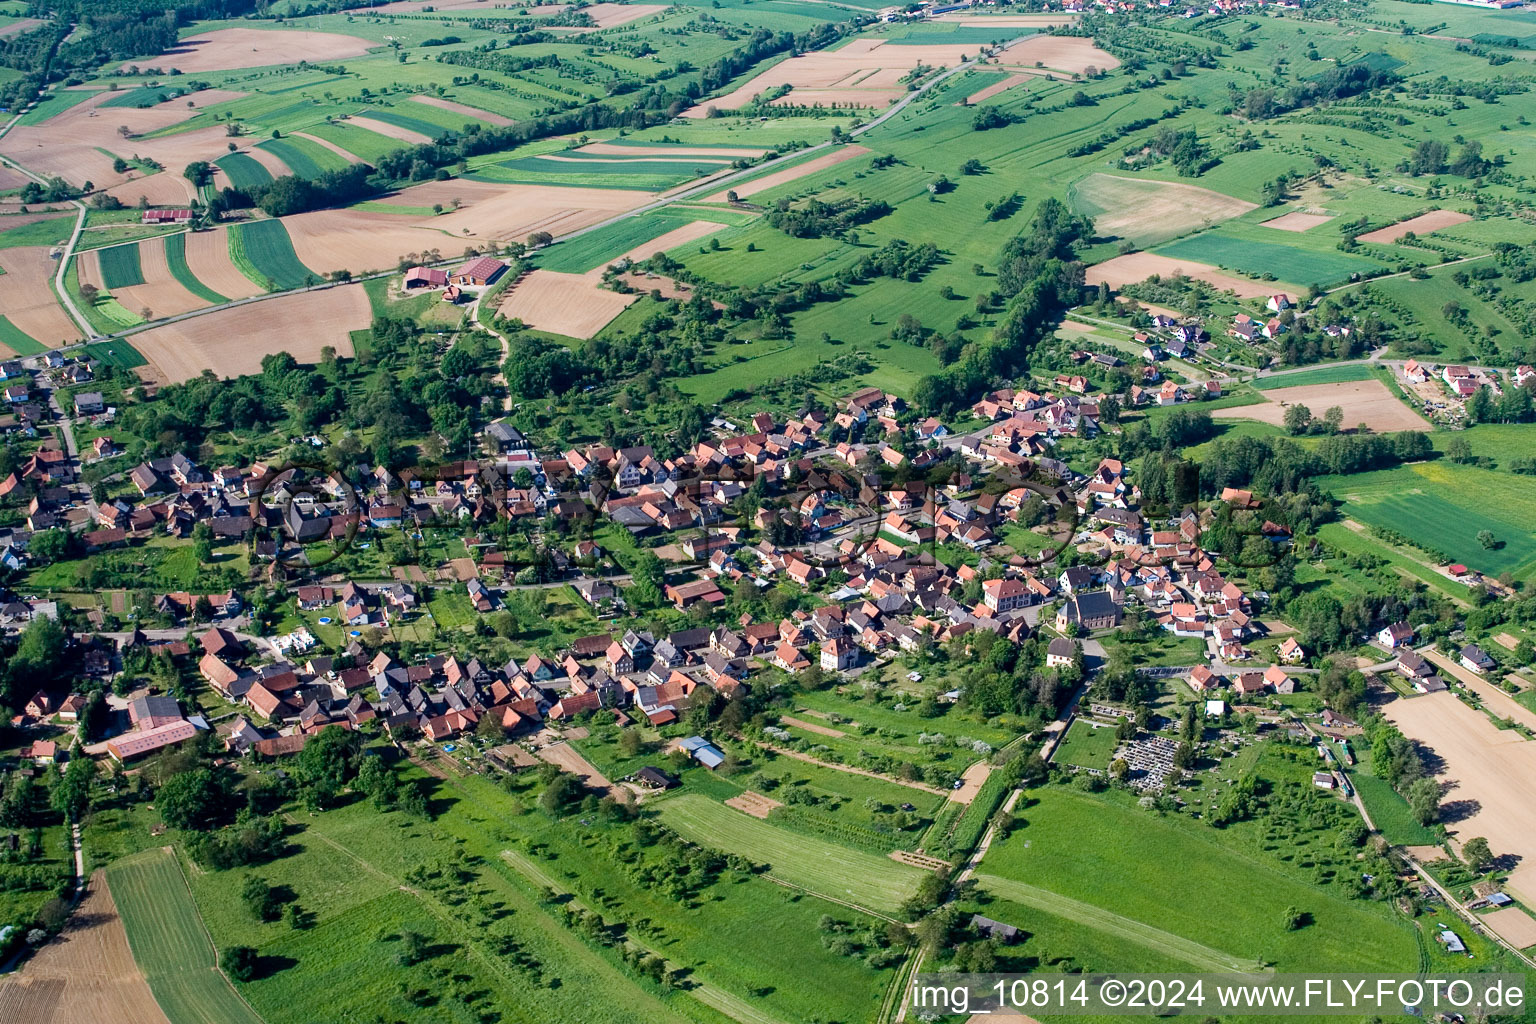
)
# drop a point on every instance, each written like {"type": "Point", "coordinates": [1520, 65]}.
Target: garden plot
{"type": "Point", "coordinates": [1363, 401]}
{"type": "Point", "coordinates": [229, 48]}
{"type": "Point", "coordinates": [1146, 212]}
{"type": "Point", "coordinates": [1423, 224]}
{"type": "Point", "coordinates": [26, 296]}
{"type": "Point", "coordinates": [232, 342]}
{"type": "Point", "coordinates": [1124, 270]}
{"type": "Point", "coordinates": [1492, 773]}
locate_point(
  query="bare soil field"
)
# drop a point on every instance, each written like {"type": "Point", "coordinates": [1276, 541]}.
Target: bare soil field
{"type": "Point", "coordinates": [1507, 640]}
{"type": "Point", "coordinates": [86, 974]}
{"type": "Point", "coordinates": [971, 783]}
{"type": "Point", "coordinates": [612, 15]}
{"type": "Point", "coordinates": [1426, 854]}
{"type": "Point", "coordinates": [393, 131]}
{"type": "Point", "coordinates": [417, 6]}
{"type": "Point", "coordinates": [18, 26]}
{"type": "Point", "coordinates": [360, 239]}
{"type": "Point", "coordinates": [919, 860]}
{"type": "Point", "coordinates": [564, 756]}
{"type": "Point", "coordinates": [1495, 699]}
{"type": "Point", "coordinates": [160, 293]}
{"type": "Point", "coordinates": [1363, 401]}
{"type": "Point", "coordinates": [1491, 773]}
{"type": "Point", "coordinates": [231, 342]}
{"type": "Point", "coordinates": [271, 161]}
{"type": "Point", "coordinates": [1513, 925]}
{"type": "Point", "coordinates": [1297, 221]}
{"type": "Point", "coordinates": [1139, 266]}
{"type": "Point", "coordinates": [755, 804]}
{"type": "Point", "coordinates": [1009, 20]}
{"type": "Point", "coordinates": [11, 178]}
{"type": "Point", "coordinates": [982, 95]}
{"type": "Point", "coordinates": [208, 256]}
{"type": "Point", "coordinates": [864, 73]}
{"type": "Point", "coordinates": [568, 304]}
{"type": "Point", "coordinates": [254, 48]}
{"type": "Point", "coordinates": [465, 109]}
{"type": "Point", "coordinates": [1069, 54]}
{"type": "Point", "coordinates": [789, 174]}
{"type": "Point", "coordinates": [1423, 224]}
{"type": "Point", "coordinates": [821, 730]}
{"type": "Point", "coordinates": [1139, 209]}
{"type": "Point", "coordinates": [163, 188]}
{"type": "Point", "coordinates": [27, 300]}
{"type": "Point", "coordinates": [669, 289]}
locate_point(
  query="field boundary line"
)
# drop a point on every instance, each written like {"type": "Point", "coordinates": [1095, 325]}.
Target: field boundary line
{"type": "Point", "coordinates": [1100, 919]}
{"type": "Point", "coordinates": [776, 880]}
{"type": "Point", "coordinates": [203, 927]}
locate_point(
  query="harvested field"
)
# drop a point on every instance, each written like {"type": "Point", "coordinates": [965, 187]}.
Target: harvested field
{"type": "Point", "coordinates": [1491, 773]}
{"type": "Point", "coordinates": [232, 342]}
{"type": "Point", "coordinates": [10, 178]}
{"type": "Point", "coordinates": [160, 293]}
{"type": "Point", "coordinates": [1070, 54]}
{"type": "Point", "coordinates": [19, 26]}
{"type": "Point", "coordinates": [86, 974]}
{"type": "Point", "coordinates": [465, 109]}
{"type": "Point", "coordinates": [1423, 224]}
{"type": "Point", "coordinates": [27, 299]}
{"type": "Point", "coordinates": [789, 174]}
{"type": "Point", "coordinates": [568, 304]}
{"type": "Point", "coordinates": [981, 96]}
{"type": "Point", "coordinates": [1297, 221]}
{"type": "Point", "coordinates": [208, 258]}
{"type": "Point", "coordinates": [864, 73]}
{"type": "Point", "coordinates": [1363, 401]}
{"type": "Point", "coordinates": [496, 211]}
{"type": "Point", "coordinates": [394, 131]}
{"type": "Point", "coordinates": [1513, 925]}
{"type": "Point", "coordinates": [1009, 20]}
{"type": "Point", "coordinates": [918, 860]}
{"type": "Point", "coordinates": [254, 48]}
{"type": "Point", "coordinates": [612, 15]}
{"type": "Point", "coordinates": [820, 730]}
{"type": "Point", "coordinates": [1494, 699]}
{"type": "Point", "coordinates": [755, 804]}
{"type": "Point", "coordinates": [1138, 266]}
{"type": "Point", "coordinates": [566, 757]}
{"type": "Point", "coordinates": [971, 783]}
{"type": "Point", "coordinates": [1148, 211]}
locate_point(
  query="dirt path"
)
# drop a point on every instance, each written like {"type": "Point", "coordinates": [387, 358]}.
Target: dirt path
{"type": "Point", "coordinates": [974, 778]}
{"type": "Point", "coordinates": [821, 730]}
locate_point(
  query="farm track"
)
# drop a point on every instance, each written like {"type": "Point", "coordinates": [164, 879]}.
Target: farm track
{"type": "Point", "coordinates": [1202, 957]}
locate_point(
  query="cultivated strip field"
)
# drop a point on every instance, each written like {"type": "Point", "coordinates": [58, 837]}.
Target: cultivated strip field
{"type": "Point", "coordinates": [254, 48]}
{"type": "Point", "coordinates": [1138, 266]}
{"type": "Point", "coordinates": [231, 342]}
{"type": "Point", "coordinates": [1202, 957]}
{"type": "Point", "coordinates": [474, 113]}
{"type": "Point", "coordinates": [1424, 224]}
{"type": "Point", "coordinates": [207, 255]}
{"type": "Point", "coordinates": [1363, 401]}
{"type": "Point", "coordinates": [161, 292]}
{"type": "Point", "coordinates": [1069, 54]}
{"type": "Point", "coordinates": [1001, 86]}
{"type": "Point", "coordinates": [838, 871]}
{"type": "Point", "coordinates": [394, 131]}
{"type": "Point", "coordinates": [1494, 775]}
{"type": "Point", "coordinates": [798, 171]}
{"type": "Point", "coordinates": [169, 943]}
{"type": "Point", "coordinates": [86, 974]}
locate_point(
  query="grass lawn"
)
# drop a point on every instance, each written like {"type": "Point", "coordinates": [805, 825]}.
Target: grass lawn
{"type": "Point", "coordinates": [822, 867]}
{"type": "Point", "coordinates": [169, 943]}
{"type": "Point", "coordinates": [1318, 375]}
{"type": "Point", "coordinates": [1087, 746]}
{"type": "Point", "coordinates": [1193, 881]}
{"type": "Point", "coordinates": [1390, 813]}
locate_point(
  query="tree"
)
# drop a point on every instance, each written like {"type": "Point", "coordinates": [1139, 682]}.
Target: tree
{"type": "Point", "coordinates": [202, 543]}
{"type": "Point", "coordinates": [240, 962]}
{"type": "Point", "coordinates": [1424, 799]}
{"type": "Point", "coordinates": [72, 794]}
{"type": "Point", "coordinates": [1294, 918]}
{"type": "Point", "coordinates": [375, 779]}
{"type": "Point", "coordinates": [259, 899]}
{"type": "Point", "coordinates": [1458, 449]}
{"type": "Point", "coordinates": [194, 799]}
{"type": "Point", "coordinates": [1297, 419]}
{"type": "Point", "coordinates": [1487, 539]}
{"type": "Point", "coordinates": [1428, 157]}
{"type": "Point", "coordinates": [413, 948]}
{"type": "Point", "coordinates": [1476, 853]}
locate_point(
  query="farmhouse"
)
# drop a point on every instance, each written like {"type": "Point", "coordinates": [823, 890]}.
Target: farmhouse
{"type": "Point", "coordinates": [182, 216]}
{"type": "Point", "coordinates": [425, 277]}
{"type": "Point", "coordinates": [481, 271]}
{"type": "Point", "coordinates": [1398, 634]}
